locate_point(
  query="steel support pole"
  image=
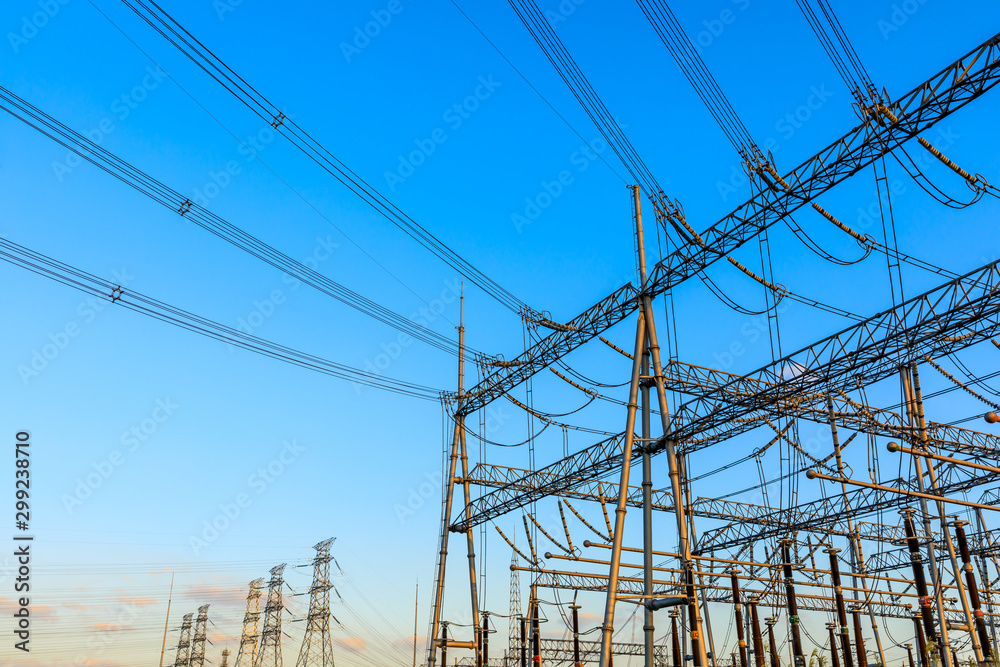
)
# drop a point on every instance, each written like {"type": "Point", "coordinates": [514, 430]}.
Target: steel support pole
{"type": "Point", "coordinates": [838, 594]}
{"type": "Point", "coordinates": [676, 639]}
{"type": "Point", "coordinates": [647, 517]}
{"type": "Point", "coordinates": [918, 635]}
{"type": "Point", "coordinates": [576, 636]}
{"type": "Point", "coordinates": [798, 657]}
{"type": "Point", "coordinates": [772, 646]}
{"type": "Point", "coordinates": [616, 545]}
{"type": "Point", "coordinates": [970, 581]}
{"type": "Point", "coordinates": [912, 410]}
{"type": "Point", "coordinates": [859, 640]}
{"type": "Point", "coordinates": [524, 642]}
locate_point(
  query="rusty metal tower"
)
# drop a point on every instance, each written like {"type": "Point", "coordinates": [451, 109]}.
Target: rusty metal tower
{"type": "Point", "coordinates": [317, 648]}
{"type": "Point", "coordinates": [184, 645]}
{"type": "Point", "coordinates": [200, 635]}
{"type": "Point", "coordinates": [269, 648]}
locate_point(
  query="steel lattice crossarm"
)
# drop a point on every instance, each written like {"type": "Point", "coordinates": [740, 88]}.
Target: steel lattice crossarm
{"type": "Point", "coordinates": [633, 587]}
{"type": "Point", "coordinates": [858, 502]}
{"type": "Point", "coordinates": [944, 93]}
{"type": "Point", "coordinates": [562, 650]}
{"type": "Point", "coordinates": [576, 475]}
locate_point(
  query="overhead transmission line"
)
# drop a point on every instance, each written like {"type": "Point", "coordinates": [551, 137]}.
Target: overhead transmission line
{"type": "Point", "coordinates": [163, 23]}
{"type": "Point", "coordinates": [173, 200]}
{"type": "Point", "coordinates": [87, 283]}
{"type": "Point", "coordinates": [563, 62]}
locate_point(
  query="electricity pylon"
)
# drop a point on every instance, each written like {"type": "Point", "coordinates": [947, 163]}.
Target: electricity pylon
{"type": "Point", "coordinates": [269, 647]}
{"type": "Point", "coordinates": [317, 648]}
{"type": "Point", "coordinates": [247, 652]}
{"type": "Point", "coordinates": [184, 645]}
{"type": "Point", "coordinates": [200, 634]}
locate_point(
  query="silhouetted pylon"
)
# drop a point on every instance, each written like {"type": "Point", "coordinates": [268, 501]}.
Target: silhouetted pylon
{"type": "Point", "coordinates": [269, 647]}
{"type": "Point", "coordinates": [200, 635]}
{"type": "Point", "coordinates": [184, 645]}
{"type": "Point", "coordinates": [225, 658]}
{"type": "Point", "coordinates": [317, 647]}
{"type": "Point", "coordinates": [247, 653]}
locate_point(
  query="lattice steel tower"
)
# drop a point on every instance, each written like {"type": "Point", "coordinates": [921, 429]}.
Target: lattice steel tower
{"type": "Point", "coordinates": [269, 648]}
{"type": "Point", "coordinates": [225, 658]}
{"type": "Point", "coordinates": [200, 634]}
{"type": "Point", "coordinates": [247, 653]}
{"type": "Point", "coordinates": [513, 623]}
{"type": "Point", "coordinates": [317, 648]}
{"type": "Point", "coordinates": [184, 645]}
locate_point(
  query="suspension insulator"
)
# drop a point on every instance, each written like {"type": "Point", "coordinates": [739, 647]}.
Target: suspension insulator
{"type": "Point", "coordinates": [844, 228]}
{"type": "Point", "coordinates": [973, 181]}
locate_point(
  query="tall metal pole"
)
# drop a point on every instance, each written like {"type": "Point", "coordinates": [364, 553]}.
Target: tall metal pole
{"type": "Point", "coordinates": [772, 645]}
{"type": "Point", "coordinates": [984, 573]}
{"type": "Point", "coordinates": [458, 450]}
{"type": "Point", "coordinates": [911, 404]}
{"type": "Point", "coordinates": [524, 641]}
{"type": "Point", "coordinates": [676, 489]}
{"type": "Point", "coordinates": [918, 635]}
{"type": "Point", "coordinates": [859, 640]}
{"type": "Point", "coordinates": [647, 517]}
{"type": "Point", "coordinates": [909, 654]}
{"type": "Point", "coordinates": [838, 594]}
{"type": "Point", "coordinates": [798, 656]}
{"type": "Point", "coordinates": [166, 623]}
{"type": "Point", "coordinates": [639, 354]}
{"type": "Point", "coordinates": [676, 639]}
{"type": "Point", "coordinates": [959, 585]}
{"type": "Point", "coordinates": [416, 611]}
{"type": "Point", "coordinates": [576, 636]}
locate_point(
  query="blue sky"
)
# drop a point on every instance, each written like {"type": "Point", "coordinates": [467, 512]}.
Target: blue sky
{"type": "Point", "coordinates": [212, 417]}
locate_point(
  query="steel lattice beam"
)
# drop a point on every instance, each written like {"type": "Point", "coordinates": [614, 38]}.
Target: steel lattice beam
{"type": "Point", "coordinates": [944, 93]}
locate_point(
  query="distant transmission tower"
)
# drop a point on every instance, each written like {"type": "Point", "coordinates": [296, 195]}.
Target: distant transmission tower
{"type": "Point", "coordinates": [317, 648]}
{"type": "Point", "coordinates": [515, 606]}
{"type": "Point", "coordinates": [184, 645]}
{"type": "Point", "coordinates": [225, 658]}
{"type": "Point", "coordinates": [200, 634]}
{"type": "Point", "coordinates": [269, 649]}
{"type": "Point", "coordinates": [247, 653]}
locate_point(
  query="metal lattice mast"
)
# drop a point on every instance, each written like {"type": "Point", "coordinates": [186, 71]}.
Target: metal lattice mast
{"type": "Point", "coordinates": [247, 653]}
{"type": "Point", "coordinates": [317, 648]}
{"type": "Point", "coordinates": [269, 648]}
{"type": "Point", "coordinates": [225, 658]}
{"type": "Point", "coordinates": [200, 634]}
{"type": "Point", "coordinates": [515, 605]}
{"type": "Point", "coordinates": [184, 645]}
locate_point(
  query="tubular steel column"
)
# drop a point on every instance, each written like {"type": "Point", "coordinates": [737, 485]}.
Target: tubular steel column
{"type": "Point", "coordinates": [919, 582]}
{"type": "Point", "coordinates": [912, 413]}
{"type": "Point", "coordinates": [834, 661]}
{"type": "Point", "coordinates": [793, 611]}
{"type": "Point", "coordinates": [647, 517]}
{"type": "Point", "coordinates": [838, 594]}
{"type": "Point", "coordinates": [607, 629]}
{"type": "Point", "coordinates": [536, 648]}
{"type": "Point", "coordinates": [738, 613]}
{"type": "Point", "coordinates": [524, 642]}
{"type": "Point", "coordinates": [458, 449]}
{"type": "Point", "coordinates": [676, 639]}
{"type": "Point", "coordinates": [909, 654]}
{"type": "Point", "coordinates": [576, 636]}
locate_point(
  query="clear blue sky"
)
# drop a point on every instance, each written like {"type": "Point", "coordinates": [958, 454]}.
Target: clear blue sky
{"type": "Point", "coordinates": [212, 417]}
